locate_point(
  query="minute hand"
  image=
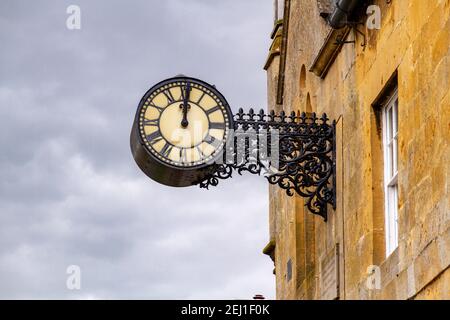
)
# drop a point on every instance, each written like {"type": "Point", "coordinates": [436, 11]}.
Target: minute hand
{"type": "Point", "coordinates": [184, 122]}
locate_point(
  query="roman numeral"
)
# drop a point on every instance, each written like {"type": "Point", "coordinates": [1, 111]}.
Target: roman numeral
{"type": "Point", "coordinates": [183, 156]}
{"type": "Point", "coordinates": [182, 93]}
{"type": "Point", "coordinates": [213, 109]}
{"type": "Point", "coordinates": [217, 125]}
{"type": "Point", "coordinates": [154, 137]}
{"type": "Point", "coordinates": [156, 107]}
{"type": "Point", "coordinates": [200, 152]}
{"type": "Point", "coordinates": [186, 91]}
{"type": "Point", "coordinates": [169, 96]}
{"type": "Point", "coordinates": [148, 122]}
{"type": "Point", "coordinates": [166, 150]}
{"type": "Point", "coordinates": [201, 97]}
{"type": "Point", "coordinates": [212, 141]}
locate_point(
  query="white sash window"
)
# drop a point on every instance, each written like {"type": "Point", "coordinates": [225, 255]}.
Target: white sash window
{"type": "Point", "coordinates": [390, 133]}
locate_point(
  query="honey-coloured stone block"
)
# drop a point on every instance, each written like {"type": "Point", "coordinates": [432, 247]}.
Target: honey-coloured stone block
{"type": "Point", "coordinates": [410, 51]}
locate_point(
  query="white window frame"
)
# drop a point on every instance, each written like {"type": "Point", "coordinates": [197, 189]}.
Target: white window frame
{"type": "Point", "coordinates": [390, 151]}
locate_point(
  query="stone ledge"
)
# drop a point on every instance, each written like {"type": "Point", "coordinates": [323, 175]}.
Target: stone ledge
{"type": "Point", "coordinates": [269, 248]}
{"type": "Point", "coordinates": [421, 272]}
{"type": "Point", "coordinates": [390, 268]}
{"type": "Point", "coordinates": [275, 47]}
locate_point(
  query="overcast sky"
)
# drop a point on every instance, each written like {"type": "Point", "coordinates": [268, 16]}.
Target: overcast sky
{"type": "Point", "coordinates": [70, 191]}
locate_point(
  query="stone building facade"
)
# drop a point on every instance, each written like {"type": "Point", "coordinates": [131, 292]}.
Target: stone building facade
{"type": "Point", "coordinates": [389, 91]}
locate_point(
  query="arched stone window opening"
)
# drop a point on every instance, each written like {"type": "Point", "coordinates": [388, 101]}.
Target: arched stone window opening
{"type": "Point", "coordinates": [308, 105]}
{"type": "Point", "coordinates": [302, 79]}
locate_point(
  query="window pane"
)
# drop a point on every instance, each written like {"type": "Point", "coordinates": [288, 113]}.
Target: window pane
{"type": "Point", "coordinates": [394, 160]}
{"type": "Point", "coordinates": [390, 129]}
{"type": "Point", "coordinates": [391, 220]}
{"type": "Point", "coordinates": [390, 162]}
{"type": "Point", "coordinates": [396, 116]}
{"type": "Point", "coordinates": [395, 216]}
{"type": "Point", "coordinates": [390, 145]}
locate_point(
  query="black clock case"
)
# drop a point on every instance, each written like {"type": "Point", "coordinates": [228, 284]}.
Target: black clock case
{"type": "Point", "coordinates": [165, 173]}
{"type": "Point", "coordinates": [162, 172]}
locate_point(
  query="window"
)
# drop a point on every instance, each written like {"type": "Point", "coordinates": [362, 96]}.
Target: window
{"type": "Point", "coordinates": [390, 133]}
{"type": "Point", "coordinates": [302, 79]}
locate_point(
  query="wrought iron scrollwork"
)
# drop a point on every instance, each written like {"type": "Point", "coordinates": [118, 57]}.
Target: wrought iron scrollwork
{"type": "Point", "coordinates": [296, 152]}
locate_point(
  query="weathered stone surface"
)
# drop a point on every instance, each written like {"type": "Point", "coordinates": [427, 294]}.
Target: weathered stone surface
{"type": "Point", "coordinates": [438, 289]}
{"type": "Point", "coordinates": [414, 42]}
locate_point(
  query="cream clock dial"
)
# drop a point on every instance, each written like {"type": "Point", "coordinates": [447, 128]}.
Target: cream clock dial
{"type": "Point", "coordinates": [183, 123]}
{"type": "Point", "coordinates": [190, 143]}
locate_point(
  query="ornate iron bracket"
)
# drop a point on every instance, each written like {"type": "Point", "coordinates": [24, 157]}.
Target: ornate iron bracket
{"type": "Point", "coordinates": [295, 152]}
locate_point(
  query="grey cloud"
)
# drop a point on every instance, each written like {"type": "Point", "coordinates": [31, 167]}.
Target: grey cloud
{"type": "Point", "coordinates": [70, 192]}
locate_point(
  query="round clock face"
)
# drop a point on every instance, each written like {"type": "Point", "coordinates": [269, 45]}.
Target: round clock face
{"type": "Point", "coordinates": [184, 122]}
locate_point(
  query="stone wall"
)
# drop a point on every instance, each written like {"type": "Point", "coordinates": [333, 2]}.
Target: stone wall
{"type": "Point", "coordinates": [413, 46]}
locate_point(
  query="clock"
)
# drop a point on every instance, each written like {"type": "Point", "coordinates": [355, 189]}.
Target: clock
{"type": "Point", "coordinates": [180, 130]}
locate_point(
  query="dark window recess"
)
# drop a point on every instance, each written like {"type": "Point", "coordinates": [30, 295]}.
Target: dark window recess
{"type": "Point", "coordinates": [289, 270]}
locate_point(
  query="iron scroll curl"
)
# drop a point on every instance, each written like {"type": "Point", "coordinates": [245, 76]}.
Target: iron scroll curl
{"type": "Point", "coordinates": [297, 152]}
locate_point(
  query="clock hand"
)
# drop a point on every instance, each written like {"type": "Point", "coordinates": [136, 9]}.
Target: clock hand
{"type": "Point", "coordinates": [186, 106]}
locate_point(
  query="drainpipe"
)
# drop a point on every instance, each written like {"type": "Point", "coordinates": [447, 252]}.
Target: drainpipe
{"type": "Point", "coordinates": [339, 17]}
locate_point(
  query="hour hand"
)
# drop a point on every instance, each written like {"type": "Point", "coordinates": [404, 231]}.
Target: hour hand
{"type": "Point", "coordinates": [187, 93]}
{"type": "Point", "coordinates": [185, 105]}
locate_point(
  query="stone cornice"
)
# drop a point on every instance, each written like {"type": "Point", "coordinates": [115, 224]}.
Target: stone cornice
{"type": "Point", "coordinates": [275, 47]}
